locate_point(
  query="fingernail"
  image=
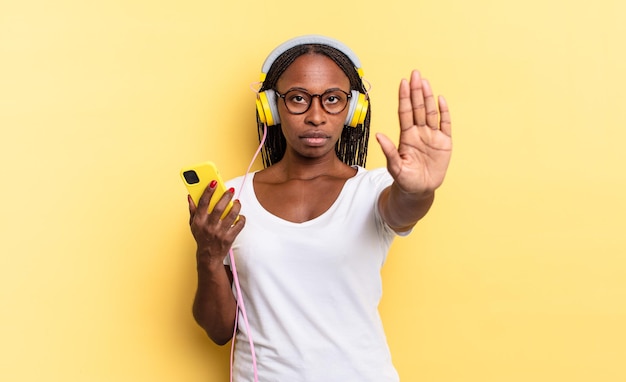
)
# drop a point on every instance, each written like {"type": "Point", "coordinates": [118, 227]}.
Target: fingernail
{"type": "Point", "coordinates": [213, 184]}
{"type": "Point", "coordinates": [231, 190]}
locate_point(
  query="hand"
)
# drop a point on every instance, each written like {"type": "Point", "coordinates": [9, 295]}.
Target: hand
{"type": "Point", "coordinates": [214, 236]}
{"type": "Point", "coordinates": [420, 162]}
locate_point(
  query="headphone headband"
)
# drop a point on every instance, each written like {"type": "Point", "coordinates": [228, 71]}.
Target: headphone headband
{"type": "Point", "coordinates": [310, 39]}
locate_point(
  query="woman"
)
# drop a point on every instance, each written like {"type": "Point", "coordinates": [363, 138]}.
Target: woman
{"type": "Point", "coordinates": [315, 226]}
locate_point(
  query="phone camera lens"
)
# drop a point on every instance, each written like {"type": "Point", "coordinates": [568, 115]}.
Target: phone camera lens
{"type": "Point", "coordinates": [191, 177]}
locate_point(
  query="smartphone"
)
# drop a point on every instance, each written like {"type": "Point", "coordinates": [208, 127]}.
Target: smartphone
{"type": "Point", "coordinates": [198, 177]}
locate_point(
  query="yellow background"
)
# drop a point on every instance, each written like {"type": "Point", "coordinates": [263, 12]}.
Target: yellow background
{"type": "Point", "coordinates": [517, 274]}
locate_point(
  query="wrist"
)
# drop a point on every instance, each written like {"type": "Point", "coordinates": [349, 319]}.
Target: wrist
{"type": "Point", "coordinates": [417, 195]}
{"type": "Point", "coordinates": [208, 264]}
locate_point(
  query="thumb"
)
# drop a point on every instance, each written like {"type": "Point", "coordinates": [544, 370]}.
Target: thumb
{"type": "Point", "coordinates": [192, 206]}
{"type": "Point", "coordinates": [390, 151]}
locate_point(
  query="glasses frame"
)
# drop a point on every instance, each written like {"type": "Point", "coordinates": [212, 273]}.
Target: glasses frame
{"type": "Point", "coordinates": [283, 96]}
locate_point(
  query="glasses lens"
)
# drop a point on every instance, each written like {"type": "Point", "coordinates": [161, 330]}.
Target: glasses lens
{"type": "Point", "coordinates": [297, 101]}
{"type": "Point", "coordinates": [334, 101]}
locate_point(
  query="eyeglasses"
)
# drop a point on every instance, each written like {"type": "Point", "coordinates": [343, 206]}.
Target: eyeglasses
{"type": "Point", "coordinates": [298, 101]}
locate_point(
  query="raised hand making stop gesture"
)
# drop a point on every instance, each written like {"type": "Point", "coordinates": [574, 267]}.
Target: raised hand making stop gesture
{"type": "Point", "coordinates": [420, 162]}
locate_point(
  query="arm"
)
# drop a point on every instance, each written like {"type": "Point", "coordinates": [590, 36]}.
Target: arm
{"type": "Point", "coordinates": [419, 164]}
{"type": "Point", "coordinates": [214, 306]}
{"type": "Point", "coordinates": [402, 210]}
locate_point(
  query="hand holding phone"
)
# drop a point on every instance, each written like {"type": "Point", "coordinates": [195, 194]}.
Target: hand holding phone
{"type": "Point", "coordinates": [197, 177]}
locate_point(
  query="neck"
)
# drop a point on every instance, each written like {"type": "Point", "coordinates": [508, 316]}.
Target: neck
{"type": "Point", "coordinates": [296, 167]}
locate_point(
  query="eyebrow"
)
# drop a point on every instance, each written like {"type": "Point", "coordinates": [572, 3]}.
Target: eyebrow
{"type": "Point", "coordinates": [307, 91]}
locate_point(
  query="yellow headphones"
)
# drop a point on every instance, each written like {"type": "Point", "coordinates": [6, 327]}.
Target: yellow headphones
{"type": "Point", "coordinates": [266, 101]}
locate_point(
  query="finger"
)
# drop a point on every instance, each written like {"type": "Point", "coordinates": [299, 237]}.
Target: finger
{"type": "Point", "coordinates": [205, 198]}
{"type": "Point", "coordinates": [221, 205]}
{"type": "Point", "coordinates": [192, 205]}
{"type": "Point", "coordinates": [231, 217]}
{"type": "Point", "coordinates": [417, 99]}
{"type": "Point", "coordinates": [236, 227]}
{"type": "Point", "coordinates": [192, 208]}
{"type": "Point", "coordinates": [432, 114]}
{"type": "Point", "coordinates": [405, 110]}
{"type": "Point", "coordinates": [391, 153]}
{"type": "Point", "coordinates": [446, 122]}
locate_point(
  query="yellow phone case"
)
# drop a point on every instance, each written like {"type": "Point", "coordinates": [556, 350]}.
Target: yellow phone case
{"type": "Point", "coordinates": [197, 177]}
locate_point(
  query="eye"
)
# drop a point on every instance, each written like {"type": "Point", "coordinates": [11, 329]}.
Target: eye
{"type": "Point", "coordinates": [297, 97]}
{"type": "Point", "coordinates": [333, 98]}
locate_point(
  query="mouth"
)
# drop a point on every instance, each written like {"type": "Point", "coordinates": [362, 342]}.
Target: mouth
{"type": "Point", "coordinates": [315, 138]}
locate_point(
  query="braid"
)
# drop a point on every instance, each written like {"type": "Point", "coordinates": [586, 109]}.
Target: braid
{"type": "Point", "coordinates": [352, 145]}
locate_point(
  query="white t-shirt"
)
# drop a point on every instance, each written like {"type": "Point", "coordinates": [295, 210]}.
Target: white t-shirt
{"type": "Point", "coordinates": [312, 289]}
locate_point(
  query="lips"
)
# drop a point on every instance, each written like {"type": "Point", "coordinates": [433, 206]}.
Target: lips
{"type": "Point", "coordinates": [315, 138]}
{"type": "Point", "coordinates": [315, 134]}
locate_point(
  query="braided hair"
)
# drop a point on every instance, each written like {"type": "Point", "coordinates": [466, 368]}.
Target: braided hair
{"type": "Point", "coordinates": [351, 148]}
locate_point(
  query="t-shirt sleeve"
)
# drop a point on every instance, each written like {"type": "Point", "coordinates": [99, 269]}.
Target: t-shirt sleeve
{"type": "Point", "coordinates": [381, 179]}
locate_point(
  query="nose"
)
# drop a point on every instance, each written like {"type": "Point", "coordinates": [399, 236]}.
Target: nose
{"type": "Point", "coordinates": [316, 115]}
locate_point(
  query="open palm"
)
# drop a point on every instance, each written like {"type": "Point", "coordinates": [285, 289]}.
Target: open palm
{"type": "Point", "coordinates": [419, 163]}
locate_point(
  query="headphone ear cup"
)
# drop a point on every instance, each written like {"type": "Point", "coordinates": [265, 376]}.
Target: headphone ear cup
{"type": "Point", "coordinates": [358, 109]}
{"type": "Point", "coordinates": [267, 109]}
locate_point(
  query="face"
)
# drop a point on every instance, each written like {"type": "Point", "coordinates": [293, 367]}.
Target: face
{"type": "Point", "coordinates": [314, 133]}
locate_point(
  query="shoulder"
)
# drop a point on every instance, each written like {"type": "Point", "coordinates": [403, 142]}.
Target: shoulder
{"type": "Point", "coordinates": [369, 184]}
{"type": "Point", "coordinates": [240, 181]}
{"type": "Point", "coordinates": [379, 177]}
{"type": "Point", "coordinates": [268, 175]}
